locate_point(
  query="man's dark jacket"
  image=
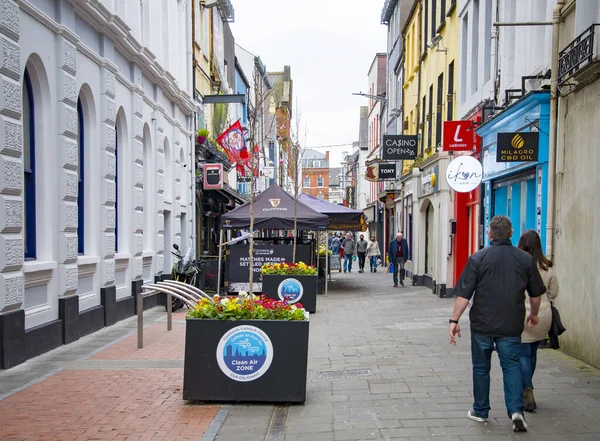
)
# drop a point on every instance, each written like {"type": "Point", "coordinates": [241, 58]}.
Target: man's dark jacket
{"type": "Point", "coordinates": [499, 276]}
{"type": "Point", "coordinates": [393, 249]}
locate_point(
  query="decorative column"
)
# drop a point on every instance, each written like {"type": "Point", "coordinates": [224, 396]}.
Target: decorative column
{"type": "Point", "coordinates": [160, 202]}
{"type": "Point", "coordinates": [137, 147]}
{"type": "Point", "coordinates": [108, 291]}
{"type": "Point", "coordinates": [12, 316]}
{"type": "Point", "coordinates": [67, 178]}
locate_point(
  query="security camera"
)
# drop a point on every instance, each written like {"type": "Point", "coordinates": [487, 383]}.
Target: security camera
{"type": "Point", "coordinates": [430, 44]}
{"type": "Point", "coordinates": [434, 41]}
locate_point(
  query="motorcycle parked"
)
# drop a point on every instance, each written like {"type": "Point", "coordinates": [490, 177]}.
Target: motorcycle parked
{"type": "Point", "coordinates": [185, 270]}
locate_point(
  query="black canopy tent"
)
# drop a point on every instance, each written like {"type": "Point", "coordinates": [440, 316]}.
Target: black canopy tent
{"type": "Point", "coordinates": [274, 209]}
{"type": "Point", "coordinates": [340, 217]}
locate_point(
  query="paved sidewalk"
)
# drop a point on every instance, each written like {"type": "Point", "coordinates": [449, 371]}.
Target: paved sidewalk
{"type": "Point", "coordinates": [380, 367]}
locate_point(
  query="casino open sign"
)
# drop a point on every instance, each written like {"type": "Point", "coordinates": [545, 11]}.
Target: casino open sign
{"type": "Point", "coordinates": [518, 147]}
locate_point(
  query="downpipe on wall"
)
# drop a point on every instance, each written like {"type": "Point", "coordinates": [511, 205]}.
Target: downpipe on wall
{"type": "Point", "coordinates": [556, 15]}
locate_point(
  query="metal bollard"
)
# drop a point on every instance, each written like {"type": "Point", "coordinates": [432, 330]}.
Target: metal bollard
{"type": "Point", "coordinates": [169, 312]}
{"type": "Point", "coordinates": [140, 320]}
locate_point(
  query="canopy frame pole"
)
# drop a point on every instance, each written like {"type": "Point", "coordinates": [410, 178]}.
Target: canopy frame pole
{"type": "Point", "coordinates": [220, 263]}
{"type": "Point", "coordinates": [327, 275]}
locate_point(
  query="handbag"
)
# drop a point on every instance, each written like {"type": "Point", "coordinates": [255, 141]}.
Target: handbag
{"type": "Point", "coordinates": [556, 328]}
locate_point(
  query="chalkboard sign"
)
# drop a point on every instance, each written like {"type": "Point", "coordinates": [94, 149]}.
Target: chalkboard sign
{"type": "Point", "coordinates": [334, 262]}
{"type": "Point", "coordinates": [238, 262]}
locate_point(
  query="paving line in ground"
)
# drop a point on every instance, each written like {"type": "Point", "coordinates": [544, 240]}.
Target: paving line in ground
{"type": "Point", "coordinates": [213, 429]}
{"type": "Point", "coordinates": [31, 383]}
{"type": "Point", "coordinates": [276, 430]}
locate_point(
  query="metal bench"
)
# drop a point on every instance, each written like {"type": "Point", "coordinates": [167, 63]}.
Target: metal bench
{"type": "Point", "coordinates": [188, 294]}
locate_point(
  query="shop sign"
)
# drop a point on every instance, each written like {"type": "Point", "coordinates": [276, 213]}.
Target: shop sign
{"type": "Point", "coordinates": [245, 353]}
{"type": "Point", "coordinates": [429, 181]}
{"type": "Point", "coordinates": [408, 188]}
{"type": "Point", "coordinates": [464, 174]}
{"type": "Point", "coordinates": [399, 147]}
{"type": "Point", "coordinates": [459, 136]}
{"type": "Point", "coordinates": [350, 197]}
{"type": "Point", "coordinates": [213, 176]}
{"type": "Point", "coordinates": [518, 147]}
{"type": "Point", "coordinates": [387, 171]}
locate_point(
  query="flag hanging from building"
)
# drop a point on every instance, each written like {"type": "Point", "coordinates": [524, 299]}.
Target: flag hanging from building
{"type": "Point", "coordinates": [233, 142]}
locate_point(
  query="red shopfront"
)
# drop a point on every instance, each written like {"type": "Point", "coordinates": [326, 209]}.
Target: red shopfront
{"type": "Point", "coordinates": [467, 210]}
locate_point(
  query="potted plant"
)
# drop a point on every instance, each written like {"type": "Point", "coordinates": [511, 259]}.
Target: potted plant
{"type": "Point", "coordinates": [239, 348]}
{"type": "Point", "coordinates": [292, 282]}
{"type": "Point", "coordinates": [202, 135]}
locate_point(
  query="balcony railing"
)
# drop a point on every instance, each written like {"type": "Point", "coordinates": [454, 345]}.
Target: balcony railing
{"type": "Point", "coordinates": [578, 54]}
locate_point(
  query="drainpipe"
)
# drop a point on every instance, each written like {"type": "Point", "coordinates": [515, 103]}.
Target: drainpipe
{"type": "Point", "coordinates": [418, 115]}
{"type": "Point", "coordinates": [553, 130]}
{"type": "Point", "coordinates": [496, 50]}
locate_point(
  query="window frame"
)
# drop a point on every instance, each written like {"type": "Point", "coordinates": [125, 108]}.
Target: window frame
{"type": "Point", "coordinates": [81, 180]}
{"type": "Point", "coordinates": [29, 175]}
{"type": "Point", "coordinates": [321, 180]}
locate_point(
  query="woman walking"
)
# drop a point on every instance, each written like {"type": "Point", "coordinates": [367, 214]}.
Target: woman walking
{"type": "Point", "coordinates": [373, 253]}
{"type": "Point", "coordinates": [531, 337]}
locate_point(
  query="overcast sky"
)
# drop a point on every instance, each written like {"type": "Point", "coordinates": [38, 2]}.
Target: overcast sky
{"type": "Point", "coordinates": [329, 45]}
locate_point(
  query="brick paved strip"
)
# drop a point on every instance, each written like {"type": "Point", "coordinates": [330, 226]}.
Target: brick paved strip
{"type": "Point", "coordinates": [143, 404]}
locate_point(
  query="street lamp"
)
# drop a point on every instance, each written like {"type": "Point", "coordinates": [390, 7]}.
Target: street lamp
{"type": "Point", "coordinates": [373, 97]}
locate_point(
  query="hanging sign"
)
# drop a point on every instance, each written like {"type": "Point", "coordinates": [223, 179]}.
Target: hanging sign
{"type": "Point", "coordinates": [518, 147]}
{"type": "Point", "coordinates": [213, 176]}
{"type": "Point", "coordinates": [387, 171]}
{"type": "Point", "coordinates": [464, 174]}
{"type": "Point", "coordinates": [459, 136]}
{"type": "Point", "coordinates": [399, 147]}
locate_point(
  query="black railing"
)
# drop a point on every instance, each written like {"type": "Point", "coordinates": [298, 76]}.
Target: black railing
{"type": "Point", "coordinates": [577, 55]}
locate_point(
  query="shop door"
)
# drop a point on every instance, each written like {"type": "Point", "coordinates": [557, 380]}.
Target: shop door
{"type": "Point", "coordinates": [429, 257]}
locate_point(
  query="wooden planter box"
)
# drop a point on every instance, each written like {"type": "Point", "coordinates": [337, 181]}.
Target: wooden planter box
{"type": "Point", "coordinates": [302, 289]}
{"type": "Point", "coordinates": [245, 360]}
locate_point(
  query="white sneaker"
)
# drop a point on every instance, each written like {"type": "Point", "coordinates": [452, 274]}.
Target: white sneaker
{"type": "Point", "coordinates": [519, 424]}
{"type": "Point", "coordinates": [473, 416]}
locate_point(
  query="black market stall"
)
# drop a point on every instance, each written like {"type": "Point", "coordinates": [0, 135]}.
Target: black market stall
{"type": "Point", "coordinates": [272, 209]}
{"type": "Point", "coordinates": [339, 218]}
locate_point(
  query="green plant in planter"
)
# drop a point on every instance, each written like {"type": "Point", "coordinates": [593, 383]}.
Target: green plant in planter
{"type": "Point", "coordinates": [244, 307]}
{"type": "Point", "coordinates": [298, 269]}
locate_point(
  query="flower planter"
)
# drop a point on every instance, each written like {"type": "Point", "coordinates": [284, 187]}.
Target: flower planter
{"type": "Point", "coordinates": [245, 360]}
{"type": "Point", "coordinates": [302, 289]}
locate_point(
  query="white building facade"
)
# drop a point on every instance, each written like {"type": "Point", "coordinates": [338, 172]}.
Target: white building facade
{"type": "Point", "coordinates": [95, 165]}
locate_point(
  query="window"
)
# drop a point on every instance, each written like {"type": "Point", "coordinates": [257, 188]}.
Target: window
{"type": "Point", "coordinates": [316, 164]}
{"type": "Point", "coordinates": [320, 181]}
{"type": "Point", "coordinates": [488, 41]}
{"type": "Point", "coordinates": [464, 61]}
{"type": "Point", "coordinates": [430, 116]}
{"type": "Point", "coordinates": [29, 220]}
{"type": "Point", "coordinates": [320, 196]}
{"type": "Point", "coordinates": [306, 182]}
{"type": "Point", "coordinates": [450, 97]}
{"type": "Point", "coordinates": [475, 48]}
{"type": "Point", "coordinates": [425, 26]}
{"type": "Point", "coordinates": [423, 124]}
{"type": "Point", "coordinates": [81, 180]}
{"type": "Point", "coordinates": [117, 190]}
{"type": "Point", "coordinates": [442, 11]}
{"type": "Point", "coordinates": [433, 18]}
{"type": "Point", "coordinates": [272, 151]}
{"type": "Point", "coordinates": [440, 106]}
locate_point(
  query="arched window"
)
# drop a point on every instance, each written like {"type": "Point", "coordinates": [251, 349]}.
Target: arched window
{"type": "Point", "coordinates": [81, 180]}
{"type": "Point", "coordinates": [29, 227]}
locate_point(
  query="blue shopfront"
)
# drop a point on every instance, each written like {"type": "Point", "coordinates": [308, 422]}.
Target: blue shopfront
{"type": "Point", "coordinates": [517, 190]}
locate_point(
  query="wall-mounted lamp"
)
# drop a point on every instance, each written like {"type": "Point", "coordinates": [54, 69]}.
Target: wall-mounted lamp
{"type": "Point", "coordinates": [435, 42]}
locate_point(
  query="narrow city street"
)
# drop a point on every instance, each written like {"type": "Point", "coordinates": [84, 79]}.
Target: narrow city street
{"type": "Point", "coordinates": [380, 367]}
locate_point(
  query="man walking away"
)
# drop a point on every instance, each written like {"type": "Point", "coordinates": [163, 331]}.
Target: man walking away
{"type": "Point", "coordinates": [398, 253]}
{"type": "Point", "coordinates": [349, 247]}
{"type": "Point", "coordinates": [499, 274]}
{"type": "Point", "coordinates": [361, 250]}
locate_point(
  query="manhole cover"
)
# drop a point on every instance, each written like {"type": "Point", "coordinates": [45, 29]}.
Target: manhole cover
{"type": "Point", "coordinates": [345, 374]}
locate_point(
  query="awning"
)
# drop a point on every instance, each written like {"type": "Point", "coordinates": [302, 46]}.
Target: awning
{"type": "Point", "coordinates": [230, 193]}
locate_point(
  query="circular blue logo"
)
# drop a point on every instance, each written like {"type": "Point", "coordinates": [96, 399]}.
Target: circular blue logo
{"type": "Point", "coordinates": [244, 353]}
{"type": "Point", "coordinates": [290, 290]}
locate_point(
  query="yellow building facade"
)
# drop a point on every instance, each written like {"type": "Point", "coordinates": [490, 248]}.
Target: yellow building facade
{"type": "Point", "coordinates": [431, 41]}
{"type": "Point", "coordinates": [431, 38]}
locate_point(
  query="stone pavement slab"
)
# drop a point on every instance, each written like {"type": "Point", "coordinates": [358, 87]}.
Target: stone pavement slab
{"type": "Point", "coordinates": [381, 367]}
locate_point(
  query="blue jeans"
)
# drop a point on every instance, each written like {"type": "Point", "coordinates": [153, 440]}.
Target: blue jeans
{"type": "Point", "coordinates": [528, 362]}
{"type": "Point", "coordinates": [509, 352]}
{"type": "Point", "coordinates": [373, 262]}
{"type": "Point", "coordinates": [348, 261]}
